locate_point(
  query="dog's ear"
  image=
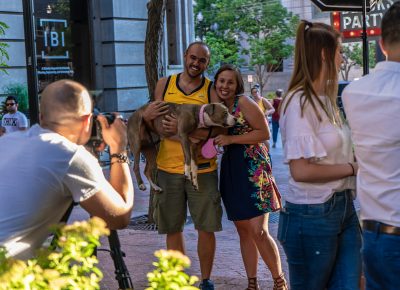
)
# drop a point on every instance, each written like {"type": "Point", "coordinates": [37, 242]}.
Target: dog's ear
{"type": "Point", "coordinates": [210, 108]}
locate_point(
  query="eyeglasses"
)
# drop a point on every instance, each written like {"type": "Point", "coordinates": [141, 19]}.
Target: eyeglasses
{"type": "Point", "coordinates": [10, 104]}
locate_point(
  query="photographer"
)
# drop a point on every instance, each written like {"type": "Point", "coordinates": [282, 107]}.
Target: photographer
{"type": "Point", "coordinates": [46, 168]}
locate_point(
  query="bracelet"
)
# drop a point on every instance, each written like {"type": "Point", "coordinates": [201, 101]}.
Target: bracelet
{"type": "Point", "coordinates": [352, 168]}
{"type": "Point", "coordinates": [209, 133]}
{"type": "Point", "coordinates": [121, 158]}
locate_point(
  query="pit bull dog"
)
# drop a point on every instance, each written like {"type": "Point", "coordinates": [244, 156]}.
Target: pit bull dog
{"type": "Point", "coordinates": [189, 117]}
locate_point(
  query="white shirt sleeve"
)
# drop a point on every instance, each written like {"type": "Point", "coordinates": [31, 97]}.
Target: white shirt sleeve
{"type": "Point", "coordinates": [300, 139]}
{"type": "Point", "coordinates": [84, 177]}
{"type": "Point", "coordinates": [23, 121]}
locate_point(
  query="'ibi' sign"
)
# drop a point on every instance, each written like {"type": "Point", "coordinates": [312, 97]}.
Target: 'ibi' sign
{"type": "Point", "coordinates": [54, 37]}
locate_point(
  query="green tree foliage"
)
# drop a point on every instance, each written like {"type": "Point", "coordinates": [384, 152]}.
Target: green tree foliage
{"type": "Point", "coordinates": [212, 27]}
{"type": "Point", "coordinates": [3, 46]}
{"type": "Point", "coordinates": [268, 29]}
{"type": "Point", "coordinates": [353, 55]}
{"type": "Point", "coordinates": [71, 266]}
{"type": "Point", "coordinates": [224, 50]}
{"type": "Point", "coordinates": [260, 29]}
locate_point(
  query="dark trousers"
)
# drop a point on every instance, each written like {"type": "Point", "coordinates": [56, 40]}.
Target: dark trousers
{"type": "Point", "coordinates": [275, 129]}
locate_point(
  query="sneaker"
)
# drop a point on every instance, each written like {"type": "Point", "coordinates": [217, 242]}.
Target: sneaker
{"type": "Point", "coordinates": [274, 145]}
{"type": "Point", "coordinates": [206, 284]}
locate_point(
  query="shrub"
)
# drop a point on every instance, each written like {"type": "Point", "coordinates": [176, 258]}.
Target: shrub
{"type": "Point", "coordinates": [169, 273]}
{"type": "Point", "coordinates": [70, 266]}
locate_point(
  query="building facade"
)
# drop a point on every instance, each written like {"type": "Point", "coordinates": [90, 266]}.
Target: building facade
{"type": "Point", "coordinates": [99, 43]}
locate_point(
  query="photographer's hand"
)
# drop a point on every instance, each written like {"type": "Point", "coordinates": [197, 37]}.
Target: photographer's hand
{"type": "Point", "coordinates": [114, 200]}
{"type": "Point", "coordinates": [114, 135]}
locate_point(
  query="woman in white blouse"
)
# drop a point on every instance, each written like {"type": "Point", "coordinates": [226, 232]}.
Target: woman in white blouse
{"type": "Point", "coordinates": [318, 227]}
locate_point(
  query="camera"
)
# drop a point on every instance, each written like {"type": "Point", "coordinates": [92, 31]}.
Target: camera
{"type": "Point", "coordinates": [96, 138]}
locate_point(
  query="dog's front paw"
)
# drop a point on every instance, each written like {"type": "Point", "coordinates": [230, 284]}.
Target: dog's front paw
{"type": "Point", "coordinates": [187, 172]}
{"type": "Point", "coordinates": [156, 187]}
{"type": "Point", "coordinates": [193, 175]}
{"type": "Point", "coordinates": [195, 184]}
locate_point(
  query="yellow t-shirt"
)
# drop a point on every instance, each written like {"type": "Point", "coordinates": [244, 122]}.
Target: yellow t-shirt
{"type": "Point", "coordinates": [261, 105]}
{"type": "Point", "coordinates": [170, 156]}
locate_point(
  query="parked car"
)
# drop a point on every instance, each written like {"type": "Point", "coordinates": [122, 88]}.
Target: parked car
{"type": "Point", "coordinates": [342, 85]}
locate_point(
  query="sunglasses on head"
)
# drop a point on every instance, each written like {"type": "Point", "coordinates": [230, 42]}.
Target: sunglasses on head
{"type": "Point", "coordinates": [10, 104]}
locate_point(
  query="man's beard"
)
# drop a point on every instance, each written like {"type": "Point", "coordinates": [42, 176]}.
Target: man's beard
{"type": "Point", "coordinates": [193, 76]}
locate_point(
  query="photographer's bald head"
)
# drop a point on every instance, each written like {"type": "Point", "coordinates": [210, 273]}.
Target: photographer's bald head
{"type": "Point", "coordinates": [66, 108]}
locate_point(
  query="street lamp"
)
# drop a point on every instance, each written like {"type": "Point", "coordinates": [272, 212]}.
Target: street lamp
{"type": "Point", "coordinates": [250, 81]}
{"type": "Point", "coordinates": [200, 19]}
{"type": "Point", "coordinates": [49, 9]}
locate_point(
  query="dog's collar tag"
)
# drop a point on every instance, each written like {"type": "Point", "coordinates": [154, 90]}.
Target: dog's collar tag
{"type": "Point", "coordinates": [201, 117]}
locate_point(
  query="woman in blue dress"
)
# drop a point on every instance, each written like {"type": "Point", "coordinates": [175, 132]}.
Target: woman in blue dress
{"type": "Point", "coordinates": [247, 186]}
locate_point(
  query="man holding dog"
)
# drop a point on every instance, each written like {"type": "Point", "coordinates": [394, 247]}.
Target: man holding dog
{"type": "Point", "coordinates": [372, 109]}
{"type": "Point", "coordinates": [188, 87]}
{"type": "Point", "coordinates": [46, 168]}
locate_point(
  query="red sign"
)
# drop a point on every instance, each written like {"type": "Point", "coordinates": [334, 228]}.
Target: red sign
{"type": "Point", "coordinates": [350, 23]}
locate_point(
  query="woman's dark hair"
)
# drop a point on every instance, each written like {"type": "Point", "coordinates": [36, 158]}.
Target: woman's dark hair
{"type": "Point", "coordinates": [254, 88]}
{"type": "Point", "coordinates": [239, 80]}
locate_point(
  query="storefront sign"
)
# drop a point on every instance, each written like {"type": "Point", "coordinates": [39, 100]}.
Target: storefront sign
{"type": "Point", "coordinates": [350, 23]}
{"type": "Point", "coordinates": [54, 38]}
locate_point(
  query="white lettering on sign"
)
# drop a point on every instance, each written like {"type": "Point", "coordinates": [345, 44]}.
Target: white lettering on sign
{"type": "Point", "coordinates": [353, 20]}
{"type": "Point", "coordinates": [53, 37]}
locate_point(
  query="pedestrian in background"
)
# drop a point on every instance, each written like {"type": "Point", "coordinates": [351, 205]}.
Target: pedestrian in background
{"type": "Point", "coordinates": [318, 227]}
{"type": "Point", "coordinates": [275, 116]}
{"type": "Point", "coordinates": [13, 120]}
{"type": "Point", "coordinates": [263, 103]}
{"type": "Point", "coordinates": [376, 138]}
{"type": "Point", "coordinates": [265, 107]}
{"type": "Point", "coordinates": [247, 186]}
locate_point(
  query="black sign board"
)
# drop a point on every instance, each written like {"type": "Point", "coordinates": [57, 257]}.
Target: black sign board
{"type": "Point", "coordinates": [341, 5]}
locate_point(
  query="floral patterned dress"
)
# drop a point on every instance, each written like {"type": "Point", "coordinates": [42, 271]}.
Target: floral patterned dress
{"type": "Point", "coordinates": [247, 186]}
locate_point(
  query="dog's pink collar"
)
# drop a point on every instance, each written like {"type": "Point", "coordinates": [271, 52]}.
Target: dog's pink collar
{"type": "Point", "coordinates": [201, 117]}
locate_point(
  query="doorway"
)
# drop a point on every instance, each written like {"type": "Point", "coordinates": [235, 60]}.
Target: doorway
{"type": "Point", "coordinates": [58, 45]}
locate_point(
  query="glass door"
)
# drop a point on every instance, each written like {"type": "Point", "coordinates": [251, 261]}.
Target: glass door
{"type": "Point", "coordinates": [61, 46]}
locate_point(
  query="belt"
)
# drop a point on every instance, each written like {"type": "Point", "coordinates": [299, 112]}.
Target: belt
{"type": "Point", "coordinates": [374, 226]}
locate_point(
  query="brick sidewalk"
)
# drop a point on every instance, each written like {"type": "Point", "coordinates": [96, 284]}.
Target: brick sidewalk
{"type": "Point", "coordinates": [228, 271]}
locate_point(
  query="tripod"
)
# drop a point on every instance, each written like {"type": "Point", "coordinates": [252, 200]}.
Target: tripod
{"type": "Point", "coordinates": [121, 271]}
{"type": "Point", "coordinates": [117, 255]}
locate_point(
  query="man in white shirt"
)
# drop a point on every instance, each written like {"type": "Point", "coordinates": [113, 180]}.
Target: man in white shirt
{"type": "Point", "coordinates": [14, 120]}
{"type": "Point", "coordinates": [44, 169]}
{"type": "Point", "coordinates": [372, 106]}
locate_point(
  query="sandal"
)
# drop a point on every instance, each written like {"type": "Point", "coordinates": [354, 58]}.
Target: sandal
{"type": "Point", "coordinates": [253, 284]}
{"type": "Point", "coordinates": [280, 282]}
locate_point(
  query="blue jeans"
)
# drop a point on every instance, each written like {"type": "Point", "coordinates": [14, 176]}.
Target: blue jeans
{"type": "Point", "coordinates": [322, 243]}
{"type": "Point", "coordinates": [381, 254]}
{"type": "Point", "coordinates": [275, 129]}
